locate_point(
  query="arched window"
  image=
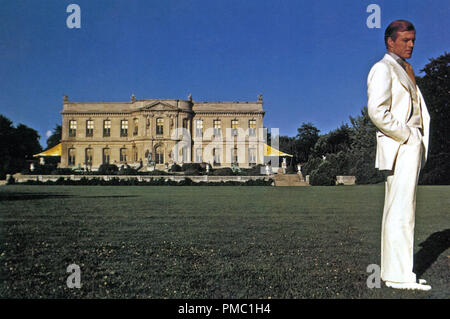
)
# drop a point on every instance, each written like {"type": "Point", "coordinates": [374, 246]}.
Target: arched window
{"type": "Point", "coordinates": [159, 155]}
{"type": "Point", "coordinates": [88, 156]}
{"type": "Point", "coordinates": [234, 156]}
{"type": "Point", "coordinates": [123, 154]}
{"type": "Point", "coordinates": [71, 156]}
{"type": "Point", "coordinates": [136, 127]}
{"type": "Point", "coordinates": [216, 156]}
{"type": "Point", "coordinates": [106, 155]}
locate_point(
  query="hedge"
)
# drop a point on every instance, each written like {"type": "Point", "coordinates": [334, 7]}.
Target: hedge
{"type": "Point", "coordinates": [135, 182]}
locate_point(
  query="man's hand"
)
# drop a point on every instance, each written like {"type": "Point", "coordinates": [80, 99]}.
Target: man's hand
{"type": "Point", "coordinates": [415, 137]}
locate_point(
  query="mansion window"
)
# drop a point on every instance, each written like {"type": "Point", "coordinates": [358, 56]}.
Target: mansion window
{"type": "Point", "coordinates": [184, 154]}
{"type": "Point", "coordinates": [217, 127]}
{"type": "Point", "coordinates": [88, 156]}
{"type": "Point", "coordinates": [234, 156]}
{"type": "Point", "coordinates": [234, 127]}
{"type": "Point", "coordinates": [106, 128]}
{"type": "Point", "coordinates": [185, 123]}
{"type": "Point", "coordinates": [199, 128]}
{"type": "Point", "coordinates": [89, 128]}
{"type": "Point", "coordinates": [159, 126]}
{"type": "Point", "coordinates": [72, 128]}
{"type": "Point", "coordinates": [123, 154]}
{"type": "Point", "coordinates": [252, 128]}
{"type": "Point", "coordinates": [106, 155]}
{"type": "Point", "coordinates": [124, 128]}
{"type": "Point", "coordinates": [71, 157]}
{"type": "Point", "coordinates": [198, 155]}
{"type": "Point", "coordinates": [159, 156]}
{"type": "Point", "coordinates": [136, 127]}
{"type": "Point", "coordinates": [216, 156]}
{"type": "Point", "coordinates": [252, 155]}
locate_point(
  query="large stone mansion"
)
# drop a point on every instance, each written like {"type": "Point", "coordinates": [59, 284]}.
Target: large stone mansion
{"type": "Point", "coordinates": [161, 132]}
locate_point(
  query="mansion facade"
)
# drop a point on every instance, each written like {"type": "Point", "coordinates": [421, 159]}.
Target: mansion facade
{"type": "Point", "coordinates": [160, 132]}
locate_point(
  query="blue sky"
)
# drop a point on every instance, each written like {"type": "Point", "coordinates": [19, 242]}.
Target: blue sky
{"type": "Point", "coordinates": [309, 59]}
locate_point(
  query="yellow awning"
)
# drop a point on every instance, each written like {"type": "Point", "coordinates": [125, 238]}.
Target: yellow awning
{"type": "Point", "coordinates": [270, 151]}
{"type": "Point", "coordinates": [54, 151]}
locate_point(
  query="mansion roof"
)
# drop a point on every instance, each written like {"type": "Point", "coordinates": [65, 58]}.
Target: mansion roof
{"type": "Point", "coordinates": [162, 105]}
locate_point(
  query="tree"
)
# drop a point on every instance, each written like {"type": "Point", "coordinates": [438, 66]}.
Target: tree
{"type": "Point", "coordinates": [363, 149]}
{"type": "Point", "coordinates": [333, 142]}
{"type": "Point", "coordinates": [435, 88]}
{"type": "Point", "coordinates": [6, 132]}
{"type": "Point", "coordinates": [306, 138]}
{"type": "Point", "coordinates": [17, 145]}
{"type": "Point", "coordinates": [55, 138]}
{"type": "Point", "coordinates": [287, 145]}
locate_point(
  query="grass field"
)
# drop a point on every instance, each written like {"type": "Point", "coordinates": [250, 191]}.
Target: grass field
{"type": "Point", "coordinates": [209, 242]}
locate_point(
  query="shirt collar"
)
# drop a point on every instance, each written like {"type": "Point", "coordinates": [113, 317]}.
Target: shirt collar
{"type": "Point", "coordinates": [397, 58]}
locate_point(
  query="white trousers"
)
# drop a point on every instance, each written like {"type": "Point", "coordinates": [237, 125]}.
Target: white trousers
{"type": "Point", "coordinates": [397, 233]}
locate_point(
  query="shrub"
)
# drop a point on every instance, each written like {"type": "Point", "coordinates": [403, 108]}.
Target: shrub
{"type": "Point", "coordinates": [436, 170]}
{"type": "Point", "coordinates": [175, 168]}
{"type": "Point", "coordinates": [115, 181]}
{"type": "Point", "coordinates": [10, 180]}
{"type": "Point", "coordinates": [108, 169]}
{"type": "Point", "coordinates": [127, 170]}
{"type": "Point", "coordinates": [225, 171]}
{"type": "Point", "coordinates": [62, 171]}
{"type": "Point", "coordinates": [253, 171]}
{"type": "Point", "coordinates": [366, 173]}
{"type": "Point", "coordinates": [192, 172]}
{"type": "Point", "coordinates": [191, 167]}
{"type": "Point", "coordinates": [39, 169]}
{"type": "Point", "coordinates": [312, 164]}
{"type": "Point", "coordinates": [324, 175]}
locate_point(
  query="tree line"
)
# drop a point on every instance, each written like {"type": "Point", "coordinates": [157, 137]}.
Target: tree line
{"type": "Point", "coordinates": [347, 150]}
{"type": "Point", "coordinates": [350, 149]}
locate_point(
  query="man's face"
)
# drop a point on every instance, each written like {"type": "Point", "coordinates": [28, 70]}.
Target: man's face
{"type": "Point", "coordinates": [403, 45]}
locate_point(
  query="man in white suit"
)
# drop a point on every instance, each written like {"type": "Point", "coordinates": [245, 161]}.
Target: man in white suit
{"type": "Point", "coordinates": [398, 110]}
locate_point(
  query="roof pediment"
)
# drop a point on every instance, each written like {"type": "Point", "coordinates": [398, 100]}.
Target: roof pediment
{"type": "Point", "coordinates": [159, 106]}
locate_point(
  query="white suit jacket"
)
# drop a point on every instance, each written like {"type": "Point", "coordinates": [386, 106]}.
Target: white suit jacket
{"type": "Point", "coordinates": [391, 96]}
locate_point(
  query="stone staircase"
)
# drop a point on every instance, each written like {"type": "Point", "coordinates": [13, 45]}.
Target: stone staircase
{"type": "Point", "coordinates": [289, 180]}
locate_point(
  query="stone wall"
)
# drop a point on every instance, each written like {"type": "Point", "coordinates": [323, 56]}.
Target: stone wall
{"type": "Point", "coordinates": [346, 180]}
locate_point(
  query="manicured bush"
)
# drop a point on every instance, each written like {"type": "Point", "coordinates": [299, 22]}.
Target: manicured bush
{"type": "Point", "coordinates": [192, 167]}
{"type": "Point", "coordinates": [225, 171]}
{"type": "Point", "coordinates": [108, 169]}
{"type": "Point", "coordinates": [62, 171]}
{"type": "Point", "coordinates": [175, 168]}
{"type": "Point", "coordinates": [115, 181]}
{"type": "Point", "coordinates": [127, 170]}
{"type": "Point", "coordinates": [253, 171]}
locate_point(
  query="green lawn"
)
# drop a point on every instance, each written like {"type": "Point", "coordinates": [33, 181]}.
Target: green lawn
{"type": "Point", "coordinates": [209, 242]}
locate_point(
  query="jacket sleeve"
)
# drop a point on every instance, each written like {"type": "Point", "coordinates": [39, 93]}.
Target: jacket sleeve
{"type": "Point", "coordinates": [379, 83]}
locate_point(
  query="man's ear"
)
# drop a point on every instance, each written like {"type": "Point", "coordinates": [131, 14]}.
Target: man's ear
{"type": "Point", "coordinates": [390, 42]}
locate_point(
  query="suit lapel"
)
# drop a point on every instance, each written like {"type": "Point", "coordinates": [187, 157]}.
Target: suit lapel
{"type": "Point", "coordinates": [405, 80]}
